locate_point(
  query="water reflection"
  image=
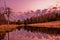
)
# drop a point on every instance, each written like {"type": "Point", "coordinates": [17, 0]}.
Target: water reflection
{"type": "Point", "coordinates": [30, 33]}
{"type": "Point", "coordinates": [2, 35]}
{"type": "Point", "coordinates": [52, 31]}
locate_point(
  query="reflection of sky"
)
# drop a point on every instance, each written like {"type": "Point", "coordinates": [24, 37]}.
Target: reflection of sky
{"type": "Point", "coordinates": [25, 5]}
{"type": "Point", "coordinates": [24, 35]}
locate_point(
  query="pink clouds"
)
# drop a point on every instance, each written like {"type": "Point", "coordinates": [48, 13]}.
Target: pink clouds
{"type": "Point", "coordinates": [25, 5]}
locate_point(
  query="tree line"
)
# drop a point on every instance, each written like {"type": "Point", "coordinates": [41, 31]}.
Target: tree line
{"type": "Point", "coordinates": [39, 19]}
{"type": "Point", "coordinates": [43, 18]}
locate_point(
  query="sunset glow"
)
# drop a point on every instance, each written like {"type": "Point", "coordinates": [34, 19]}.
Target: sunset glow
{"type": "Point", "coordinates": [26, 5]}
{"type": "Point", "coordinates": [44, 4]}
{"type": "Point", "coordinates": [29, 19]}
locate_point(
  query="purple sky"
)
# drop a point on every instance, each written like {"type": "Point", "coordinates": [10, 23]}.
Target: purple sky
{"type": "Point", "coordinates": [26, 5]}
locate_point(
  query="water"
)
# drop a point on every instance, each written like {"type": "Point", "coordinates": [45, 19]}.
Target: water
{"type": "Point", "coordinates": [23, 34]}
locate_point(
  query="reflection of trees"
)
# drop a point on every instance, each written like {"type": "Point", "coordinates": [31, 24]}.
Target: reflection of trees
{"type": "Point", "coordinates": [53, 31]}
{"type": "Point", "coordinates": [2, 35]}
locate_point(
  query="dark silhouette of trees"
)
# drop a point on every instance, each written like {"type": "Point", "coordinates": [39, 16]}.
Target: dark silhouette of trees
{"type": "Point", "coordinates": [2, 17]}
{"type": "Point", "coordinates": [19, 22]}
{"type": "Point", "coordinates": [44, 18]}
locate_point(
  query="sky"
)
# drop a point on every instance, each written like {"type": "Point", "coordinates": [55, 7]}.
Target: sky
{"type": "Point", "coordinates": [18, 6]}
{"type": "Point", "coordinates": [26, 5]}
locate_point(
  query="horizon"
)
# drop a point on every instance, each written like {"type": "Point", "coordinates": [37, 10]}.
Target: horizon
{"type": "Point", "coordinates": [20, 6]}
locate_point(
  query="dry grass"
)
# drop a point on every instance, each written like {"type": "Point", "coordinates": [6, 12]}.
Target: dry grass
{"type": "Point", "coordinates": [9, 27]}
{"type": "Point", "coordinates": [55, 24]}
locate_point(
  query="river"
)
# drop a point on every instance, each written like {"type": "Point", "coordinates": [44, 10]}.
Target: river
{"type": "Point", "coordinates": [24, 34]}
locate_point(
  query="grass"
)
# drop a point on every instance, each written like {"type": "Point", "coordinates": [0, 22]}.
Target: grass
{"type": "Point", "coordinates": [7, 28]}
{"type": "Point", "coordinates": [54, 24]}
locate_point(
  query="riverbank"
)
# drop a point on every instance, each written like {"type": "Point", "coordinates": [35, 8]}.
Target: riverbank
{"type": "Point", "coordinates": [7, 28]}
{"type": "Point", "coordinates": [41, 27]}
{"type": "Point", "coordinates": [54, 24]}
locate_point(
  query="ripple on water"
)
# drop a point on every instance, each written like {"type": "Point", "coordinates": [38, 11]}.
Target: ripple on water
{"type": "Point", "coordinates": [25, 35]}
